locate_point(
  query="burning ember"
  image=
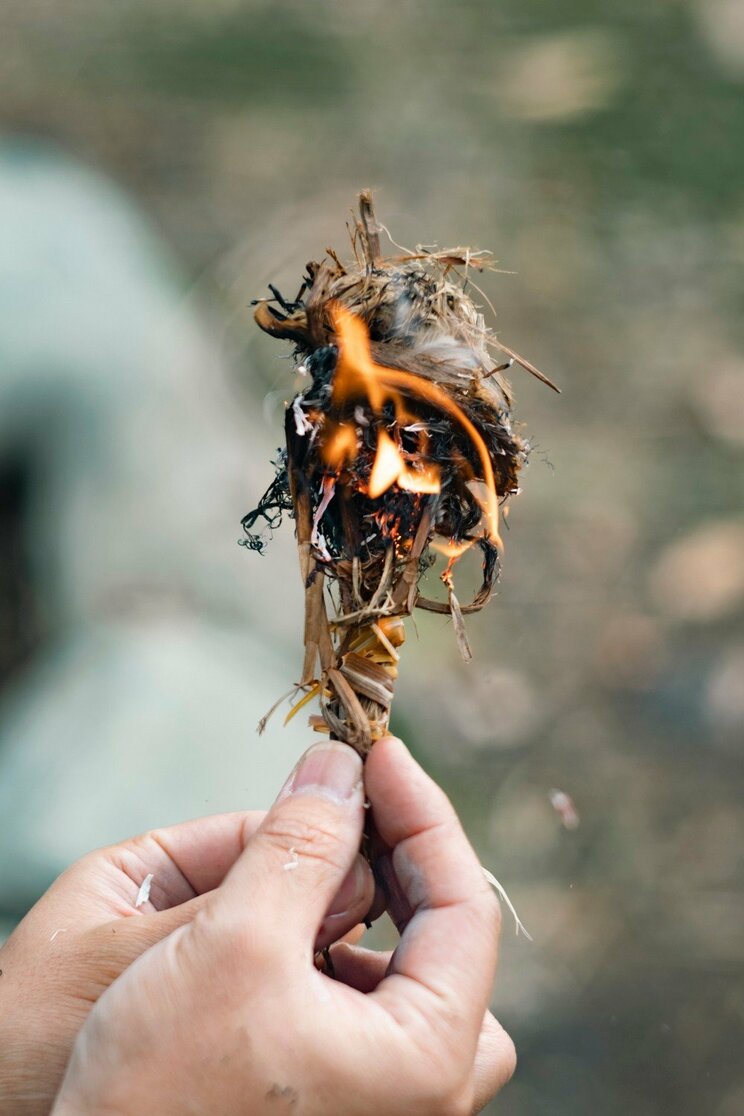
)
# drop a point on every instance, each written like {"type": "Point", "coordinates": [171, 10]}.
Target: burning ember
{"type": "Point", "coordinates": [400, 444]}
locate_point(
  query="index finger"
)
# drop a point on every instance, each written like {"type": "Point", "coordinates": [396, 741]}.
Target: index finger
{"type": "Point", "coordinates": [184, 860]}
{"type": "Point", "coordinates": [443, 968]}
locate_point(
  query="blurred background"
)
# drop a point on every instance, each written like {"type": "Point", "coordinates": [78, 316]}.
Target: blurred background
{"type": "Point", "coordinates": [159, 164]}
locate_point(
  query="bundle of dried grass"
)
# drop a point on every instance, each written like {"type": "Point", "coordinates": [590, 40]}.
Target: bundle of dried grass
{"type": "Point", "coordinates": [401, 442]}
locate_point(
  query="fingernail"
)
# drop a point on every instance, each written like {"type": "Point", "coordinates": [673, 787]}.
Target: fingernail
{"type": "Point", "coordinates": [331, 770]}
{"type": "Point", "coordinates": [351, 891]}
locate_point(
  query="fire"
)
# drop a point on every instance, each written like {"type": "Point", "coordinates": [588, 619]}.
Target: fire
{"type": "Point", "coordinates": [357, 374]}
{"type": "Point", "coordinates": [387, 467]}
{"type": "Point", "coordinates": [452, 549]}
{"type": "Point", "coordinates": [390, 468]}
{"type": "Point", "coordinates": [339, 445]}
{"type": "Point", "coordinates": [424, 479]}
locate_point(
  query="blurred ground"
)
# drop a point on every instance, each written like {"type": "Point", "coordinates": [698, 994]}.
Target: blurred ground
{"type": "Point", "coordinates": [596, 148]}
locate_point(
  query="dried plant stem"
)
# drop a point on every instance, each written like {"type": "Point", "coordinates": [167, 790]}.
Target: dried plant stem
{"type": "Point", "coordinates": [351, 659]}
{"type": "Point", "coordinates": [401, 437]}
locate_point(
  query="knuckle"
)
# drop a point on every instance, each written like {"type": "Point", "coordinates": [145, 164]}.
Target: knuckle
{"type": "Point", "coordinates": [311, 836]}
{"type": "Point", "coordinates": [86, 864]}
{"type": "Point", "coordinates": [145, 841]}
{"type": "Point", "coordinates": [83, 874]}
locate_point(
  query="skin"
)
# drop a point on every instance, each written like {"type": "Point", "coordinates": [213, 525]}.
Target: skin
{"type": "Point", "coordinates": [86, 930]}
{"type": "Point", "coordinates": [208, 1000]}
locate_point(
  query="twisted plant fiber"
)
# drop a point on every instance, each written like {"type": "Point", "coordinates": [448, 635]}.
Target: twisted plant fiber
{"type": "Point", "coordinates": [361, 559]}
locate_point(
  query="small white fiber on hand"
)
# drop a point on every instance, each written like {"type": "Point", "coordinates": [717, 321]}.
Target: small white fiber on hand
{"type": "Point", "coordinates": [293, 862]}
{"type": "Point", "coordinates": [499, 889]}
{"type": "Point", "coordinates": [144, 892]}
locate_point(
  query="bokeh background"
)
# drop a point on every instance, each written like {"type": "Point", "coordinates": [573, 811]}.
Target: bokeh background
{"type": "Point", "coordinates": [159, 164]}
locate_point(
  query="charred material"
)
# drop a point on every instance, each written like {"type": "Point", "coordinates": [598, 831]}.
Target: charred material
{"type": "Point", "coordinates": [275, 501]}
{"type": "Point", "coordinates": [402, 440]}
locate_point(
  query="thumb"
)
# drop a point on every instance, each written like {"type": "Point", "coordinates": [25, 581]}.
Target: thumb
{"type": "Point", "coordinates": [283, 883]}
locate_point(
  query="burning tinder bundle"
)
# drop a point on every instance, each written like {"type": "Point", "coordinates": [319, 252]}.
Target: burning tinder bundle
{"type": "Point", "coordinates": [400, 445]}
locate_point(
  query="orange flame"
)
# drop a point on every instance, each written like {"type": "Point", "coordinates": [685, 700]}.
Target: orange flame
{"type": "Point", "coordinates": [390, 468]}
{"type": "Point", "coordinates": [424, 479]}
{"type": "Point", "coordinates": [452, 549]}
{"type": "Point", "coordinates": [358, 374]}
{"type": "Point", "coordinates": [339, 445]}
{"type": "Point", "coordinates": [387, 467]}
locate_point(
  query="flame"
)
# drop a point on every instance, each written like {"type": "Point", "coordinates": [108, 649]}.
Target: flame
{"type": "Point", "coordinates": [451, 549]}
{"type": "Point", "coordinates": [387, 467]}
{"type": "Point", "coordinates": [339, 445]}
{"type": "Point", "coordinates": [428, 475]}
{"type": "Point", "coordinates": [358, 374]}
{"type": "Point", "coordinates": [423, 479]}
{"type": "Point", "coordinates": [390, 468]}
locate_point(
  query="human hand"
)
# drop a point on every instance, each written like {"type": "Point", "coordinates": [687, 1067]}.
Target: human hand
{"type": "Point", "coordinates": [86, 930]}
{"type": "Point", "coordinates": [228, 1013]}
